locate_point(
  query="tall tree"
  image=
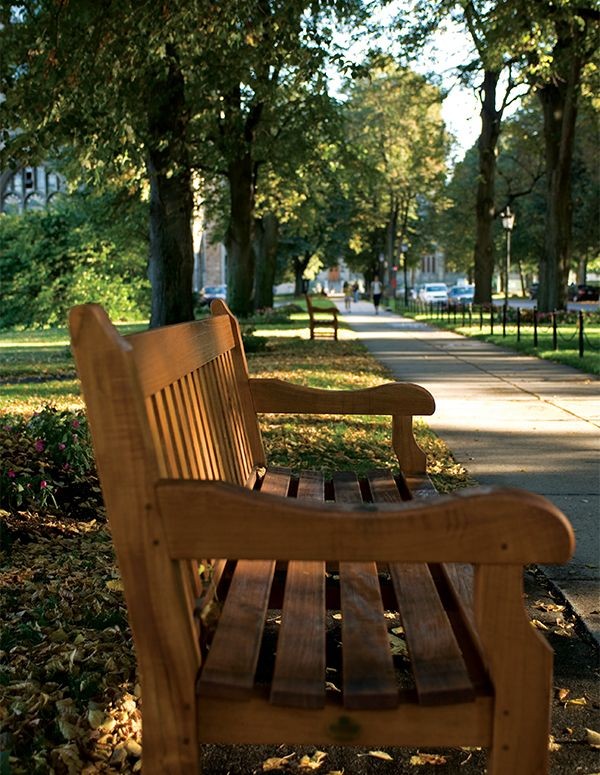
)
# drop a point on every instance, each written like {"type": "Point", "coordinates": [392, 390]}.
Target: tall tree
{"type": "Point", "coordinates": [491, 72]}
{"type": "Point", "coordinates": [399, 141]}
{"type": "Point", "coordinates": [269, 87]}
{"type": "Point", "coordinates": [106, 80]}
{"type": "Point", "coordinates": [560, 40]}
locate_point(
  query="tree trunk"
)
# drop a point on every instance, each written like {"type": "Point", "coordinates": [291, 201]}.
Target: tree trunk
{"type": "Point", "coordinates": [240, 235]}
{"type": "Point", "coordinates": [265, 240]}
{"type": "Point", "coordinates": [171, 248]}
{"type": "Point", "coordinates": [171, 204]}
{"type": "Point", "coordinates": [559, 103]}
{"type": "Point", "coordinates": [486, 184]}
{"type": "Point", "coordinates": [300, 263]}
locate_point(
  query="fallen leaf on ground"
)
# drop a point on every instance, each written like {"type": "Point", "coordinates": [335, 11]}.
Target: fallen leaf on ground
{"type": "Point", "coordinates": [277, 762]}
{"type": "Point", "coordinates": [562, 694]}
{"type": "Point", "coordinates": [427, 758]}
{"type": "Point", "coordinates": [312, 762]}
{"type": "Point", "coordinates": [592, 738]}
{"type": "Point", "coordinates": [538, 625]}
{"type": "Point", "coordinates": [398, 646]}
{"type": "Point", "coordinates": [553, 745]}
{"type": "Point", "coordinates": [576, 701]}
{"type": "Point", "coordinates": [378, 755]}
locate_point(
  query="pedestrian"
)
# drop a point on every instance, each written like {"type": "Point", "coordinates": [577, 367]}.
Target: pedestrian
{"type": "Point", "coordinates": [376, 290]}
{"type": "Point", "coordinates": [355, 292]}
{"type": "Point", "coordinates": [347, 295]}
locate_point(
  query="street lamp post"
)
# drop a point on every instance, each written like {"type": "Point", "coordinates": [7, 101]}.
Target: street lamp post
{"type": "Point", "coordinates": [508, 222]}
{"type": "Point", "coordinates": [404, 251]}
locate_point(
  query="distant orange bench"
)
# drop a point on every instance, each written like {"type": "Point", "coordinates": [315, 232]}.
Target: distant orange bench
{"type": "Point", "coordinates": [174, 419]}
{"type": "Point", "coordinates": [321, 317]}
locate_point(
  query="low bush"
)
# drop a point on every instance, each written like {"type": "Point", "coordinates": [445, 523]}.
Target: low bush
{"type": "Point", "coordinates": [47, 464]}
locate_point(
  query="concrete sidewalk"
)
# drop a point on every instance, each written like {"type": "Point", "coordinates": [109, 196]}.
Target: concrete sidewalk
{"type": "Point", "coordinates": [511, 420]}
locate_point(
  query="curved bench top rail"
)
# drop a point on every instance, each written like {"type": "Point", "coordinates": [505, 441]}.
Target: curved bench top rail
{"type": "Point", "coordinates": [164, 355]}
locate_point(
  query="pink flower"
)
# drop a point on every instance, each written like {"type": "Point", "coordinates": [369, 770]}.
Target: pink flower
{"type": "Point", "coordinates": [39, 445]}
{"type": "Point", "coordinates": [11, 474]}
{"type": "Point", "coordinates": [75, 423]}
{"type": "Point", "coordinates": [43, 484]}
{"type": "Point", "coordinates": [61, 446]}
{"type": "Point", "coordinates": [66, 466]}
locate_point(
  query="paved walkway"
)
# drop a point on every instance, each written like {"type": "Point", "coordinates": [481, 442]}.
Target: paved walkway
{"type": "Point", "coordinates": [511, 420]}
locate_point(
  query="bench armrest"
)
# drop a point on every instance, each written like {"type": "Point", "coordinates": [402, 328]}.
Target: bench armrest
{"type": "Point", "coordinates": [395, 398]}
{"type": "Point", "coordinates": [480, 525]}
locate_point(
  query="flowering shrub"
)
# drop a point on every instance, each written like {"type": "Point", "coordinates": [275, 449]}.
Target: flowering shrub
{"type": "Point", "coordinates": [46, 461]}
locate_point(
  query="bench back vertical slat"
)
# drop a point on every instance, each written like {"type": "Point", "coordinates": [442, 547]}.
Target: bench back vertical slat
{"type": "Point", "coordinates": [201, 419]}
{"type": "Point", "coordinates": [220, 311]}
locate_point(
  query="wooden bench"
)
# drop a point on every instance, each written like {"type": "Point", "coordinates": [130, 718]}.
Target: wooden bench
{"type": "Point", "coordinates": [321, 317]}
{"type": "Point", "coordinates": [173, 414]}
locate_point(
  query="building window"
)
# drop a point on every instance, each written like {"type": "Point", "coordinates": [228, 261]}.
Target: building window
{"type": "Point", "coordinates": [29, 179]}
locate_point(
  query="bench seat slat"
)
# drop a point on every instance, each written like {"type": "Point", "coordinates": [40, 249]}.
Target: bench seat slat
{"type": "Point", "coordinates": [276, 481]}
{"type": "Point", "coordinates": [368, 668]}
{"type": "Point", "coordinates": [299, 677]}
{"type": "Point", "coordinates": [231, 663]}
{"type": "Point", "coordinates": [438, 666]}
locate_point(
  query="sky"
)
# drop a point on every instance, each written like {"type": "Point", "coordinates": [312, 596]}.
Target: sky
{"type": "Point", "coordinates": [450, 47]}
{"type": "Point", "coordinates": [461, 107]}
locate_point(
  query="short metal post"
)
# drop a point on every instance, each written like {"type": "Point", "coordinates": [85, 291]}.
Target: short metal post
{"type": "Point", "coordinates": [535, 324]}
{"type": "Point", "coordinates": [581, 343]}
{"type": "Point", "coordinates": [554, 335]}
{"type": "Point", "coordinates": [491, 320]}
{"type": "Point", "coordinates": [518, 324]}
{"type": "Point", "coordinates": [504, 308]}
{"type": "Point", "coordinates": [480, 318]}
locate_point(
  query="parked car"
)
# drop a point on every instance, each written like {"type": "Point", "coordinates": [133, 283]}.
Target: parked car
{"type": "Point", "coordinates": [461, 294]}
{"type": "Point", "coordinates": [583, 293]}
{"type": "Point", "coordinates": [434, 292]}
{"type": "Point", "coordinates": [212, 292]}
{"type": "Point", "coordinates": [413, 293]}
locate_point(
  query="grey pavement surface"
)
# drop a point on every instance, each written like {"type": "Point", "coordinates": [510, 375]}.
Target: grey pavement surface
{"type": "Point", "coordinates": [511, 420]}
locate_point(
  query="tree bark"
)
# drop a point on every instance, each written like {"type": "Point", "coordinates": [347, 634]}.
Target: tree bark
{"type": "Point", "coordinates": [265, 241]}
{"type": "Point", "coordinates": [486, 187]}
{"type": "Point", "coordinates": [559, 104]}
{"type": "Point", "coordinates": [240, 236]}
{"type": "Point", "coordinates": [171, 257]}
{"type": "Point", "coordinates": [300, 263]}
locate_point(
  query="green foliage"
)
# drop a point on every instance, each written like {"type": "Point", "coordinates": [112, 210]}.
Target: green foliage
{"type": "Point", "coordinates": [54, 259]}
{"type": "Point", "coordinates": [46, 461]}
{"type": "Point", "coordinates": [398, 144]}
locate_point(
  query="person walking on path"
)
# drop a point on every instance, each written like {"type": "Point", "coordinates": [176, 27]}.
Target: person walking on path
{"type": "Point", "coordinates": [347, 296]}
{"type": "Point", "coordinates": [376, 290]}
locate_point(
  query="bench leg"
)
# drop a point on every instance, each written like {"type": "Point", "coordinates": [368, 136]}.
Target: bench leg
{"type": "Point", "coordinates": [520, 664]}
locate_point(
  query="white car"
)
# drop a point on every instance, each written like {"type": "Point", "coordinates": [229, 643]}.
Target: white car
{"type": "Point", "coordinates": [434, 292]}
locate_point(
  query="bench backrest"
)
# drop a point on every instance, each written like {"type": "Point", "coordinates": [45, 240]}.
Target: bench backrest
{"type": "Point", "coordinates": [167, 403]}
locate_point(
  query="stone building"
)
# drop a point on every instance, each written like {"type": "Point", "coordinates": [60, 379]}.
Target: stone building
{"type": "Point", "coordinates": [29, 188]}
